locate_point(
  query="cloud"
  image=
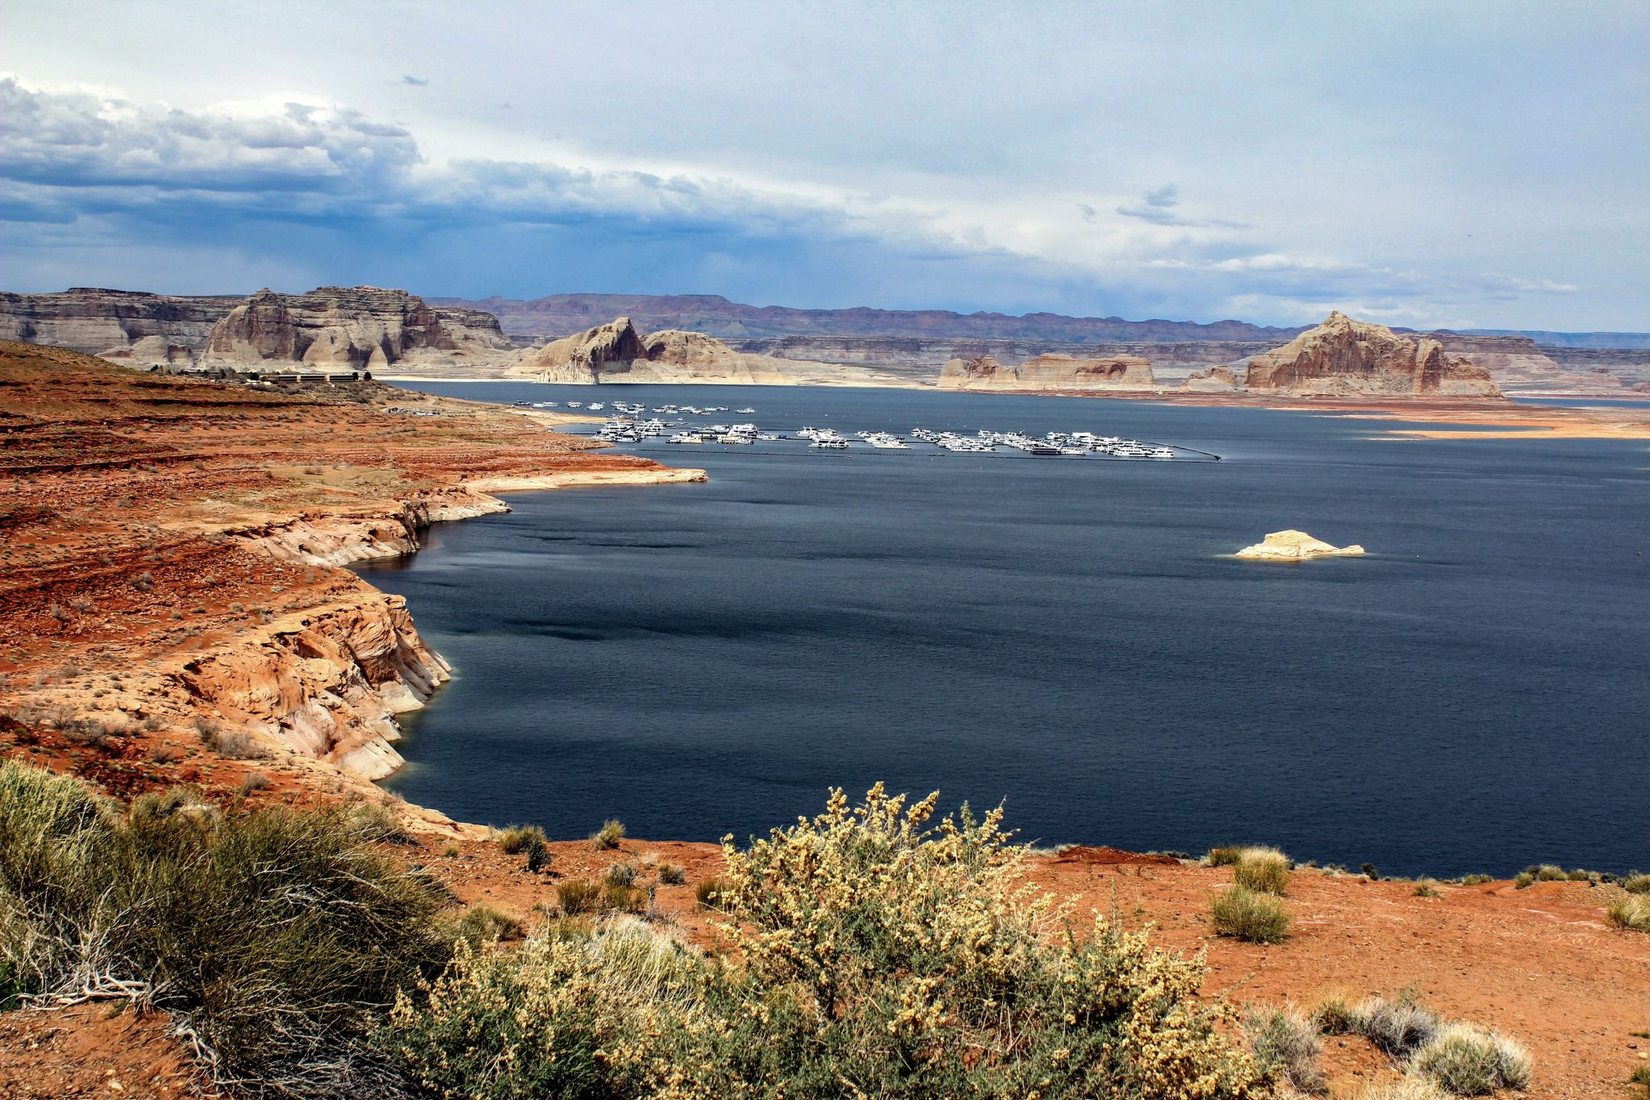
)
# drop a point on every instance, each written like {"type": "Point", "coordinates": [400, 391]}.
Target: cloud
{"type": "Point", "coordinates": [85, 140]}
{"type": "Point", "coordinates": [281, 183]}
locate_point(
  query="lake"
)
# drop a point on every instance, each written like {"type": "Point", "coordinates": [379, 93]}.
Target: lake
{"type": "Point", "coordinates": [1068, 635]}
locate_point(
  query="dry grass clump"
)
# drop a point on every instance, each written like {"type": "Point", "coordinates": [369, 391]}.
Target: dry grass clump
{"type": "Point", "coordinates": [1243, 914]}
{"type": "Point", "coordinates": [1224, 856]}
{"type": "Point", "coordinates": [672, 874]}
{"type": "Point", "coordinates": [578, 895]}
{"type": "Point", "coordinates": [710, 892]}
{"type": "Point", "coordinates": [608, 836]}
{"type": "Point", "coordinates": [1636, 883]}
{"type": "Point", "coordinates": [1631, 913]}
{"type": "Point", "coordinates": [1441, 1057]}
{"type": "Point", "coordinates": [871, 954]}
{"type": "Point", "coordinates": [619, 874]}
{"type": "Point", "coordinates": [1265, 870]}
{"type": "Point", "coordinates": [1285, 1045]}
{"type": "Point", "coordinates": [1428, 888]}
{"type": "Point", "coordinates": [272, 936]}
{"type": "Point", "coordinates": [1470, 1061]}
{"type": "Point", "coordinates": [1406, 1088]}
{"type": "Point", "coordinates": [1397, 1025]}
{"type": "Point", "coordinates": [484, 924]}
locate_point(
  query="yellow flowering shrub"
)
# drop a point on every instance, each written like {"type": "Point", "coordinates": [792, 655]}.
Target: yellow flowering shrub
{"type": "Point", "coordinates": [875, 955]}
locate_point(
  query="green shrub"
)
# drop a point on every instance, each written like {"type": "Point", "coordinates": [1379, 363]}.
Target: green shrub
{"type": "Point", "coordinates": [1428, 888]}
{"type": "Point", "coordinates": [484, 924]}
{"type": "Point", "coordinates": [274, 935]}
{"type": "Point", "coordinates": [608, 836]}
{"type": "Point", "coordinates": [1474, 880]}
{"type": "Point", "coordinates": [526, 840]}
{"type": "Point", "coordinates": [1469, 1061]}
{"type": "Point", "coordinates": [517, 839]}
{"type": "Point", "coordinates": [870, 955]}
{"type": "Point", "coordinates": [1264, 870]}
{"type": "Point", "coordinates": [620, 874]}
{"type": "Point", "coordinates": [1631, 912]}
{"type": "Point", "coordinates": [579, 895]}
{"type": "Point", "coordinates": [1641, 1076]}
{"type": "Point", "coordinates": [1285, 1045]}
{"type": "Point", "coordinates": [1224, 856]}
{"type": "Point", "coordinates": [671, 874]}
{"type": "Point", "coordinates": [1334, 1016]}
{"type": "Point", "coordinates": [1546, 872]}
{"type": "Point", "coordinates": [619, 898]}
{"type": "Point", "coordinates": [1254, 918]}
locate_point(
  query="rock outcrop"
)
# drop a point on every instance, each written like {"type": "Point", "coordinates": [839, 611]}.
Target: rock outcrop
{"type": "Point", "coordinates": [616, 352]}
{"type": "Point", "coordinates": [352, 328]}
{"type": "Point", "coordinates": [1049, 372]}
{"type": "Point", "coordinates": [326, 683]}
{"type": "Point", "coordinates": [1296, 546]}
{"type": "Point", "coordinates": [1343, 357]}
{"type": "Point", "coordinates": [1213, 380]}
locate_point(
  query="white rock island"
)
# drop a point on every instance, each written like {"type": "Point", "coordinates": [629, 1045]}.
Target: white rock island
{"type": "Point", "coordinates": [1296, 546]}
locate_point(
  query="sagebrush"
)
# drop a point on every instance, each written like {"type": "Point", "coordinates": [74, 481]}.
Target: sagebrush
{"type": "Point", "coordinates": [876, 956]}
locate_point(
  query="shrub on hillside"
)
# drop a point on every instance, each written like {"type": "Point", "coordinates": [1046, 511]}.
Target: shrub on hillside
{"type": "Point", "coordinates": [671, 874]}
{"type": "Point", "coordinates": [1636, 883]}
{"type": "Point", "coordinates": [1398, 1025]}
{"type": "Point", "coordinates": [1631, 912]}
{"type": "Point", "coordinates": [528, 840]}
{"type": "Point", "coordinates": [1285, 1044]}
{"type": "Point", "coordinates": [1245, 915]}
{"type": "Point", "coordinates": [275, 935]}
{"type": "Point", "coordinates": [876, 956]}
{"type": "Point", "coordinates": [608, 836]}
{"type": "Point", "coordinates": [1469, 1061]}
{"type": "Point", "coordinates": [484, 924]}
{"type": "Point", "coordinates": [1265, 870]}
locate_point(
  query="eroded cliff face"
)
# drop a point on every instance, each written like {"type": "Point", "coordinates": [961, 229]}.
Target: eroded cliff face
{"type": "Point", "coordinates": [122, 325]}
{"type": "Point", "coordinates": [1343, 357]}
{"type": "Point", "coordinates": [325, 683]}
{"type": "Point", "coordinates": [356, 328]}
{"type": "Point", "coordinates": [1049, 372]}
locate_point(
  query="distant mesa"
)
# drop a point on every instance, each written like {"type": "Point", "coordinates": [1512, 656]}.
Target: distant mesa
{"type": "Point", "coordinates": [616, 352]}
{"type": "Point", "coordinates": [360, 327]}
{"type": "Point", "coordinates": [1049, 372]}
{"type": "Point", "coordinates": [1347, 358]}
{"type": "Point", "coordinates": [1295, 545]}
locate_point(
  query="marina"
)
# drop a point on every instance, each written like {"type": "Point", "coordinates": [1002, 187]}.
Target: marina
{"type": "Point", "coordinates": [672, 424]}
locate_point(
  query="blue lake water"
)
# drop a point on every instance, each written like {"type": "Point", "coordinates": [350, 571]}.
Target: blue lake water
{"type": "Point", "coordinates": [1068, 635]}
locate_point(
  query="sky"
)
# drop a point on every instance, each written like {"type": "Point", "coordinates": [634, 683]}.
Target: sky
{"type": "Point", "coordinates": [1425, 164]}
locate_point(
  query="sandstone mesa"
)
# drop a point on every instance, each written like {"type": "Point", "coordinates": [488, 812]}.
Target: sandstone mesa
{"type": "Point", "coordinates": [1347, 358]}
